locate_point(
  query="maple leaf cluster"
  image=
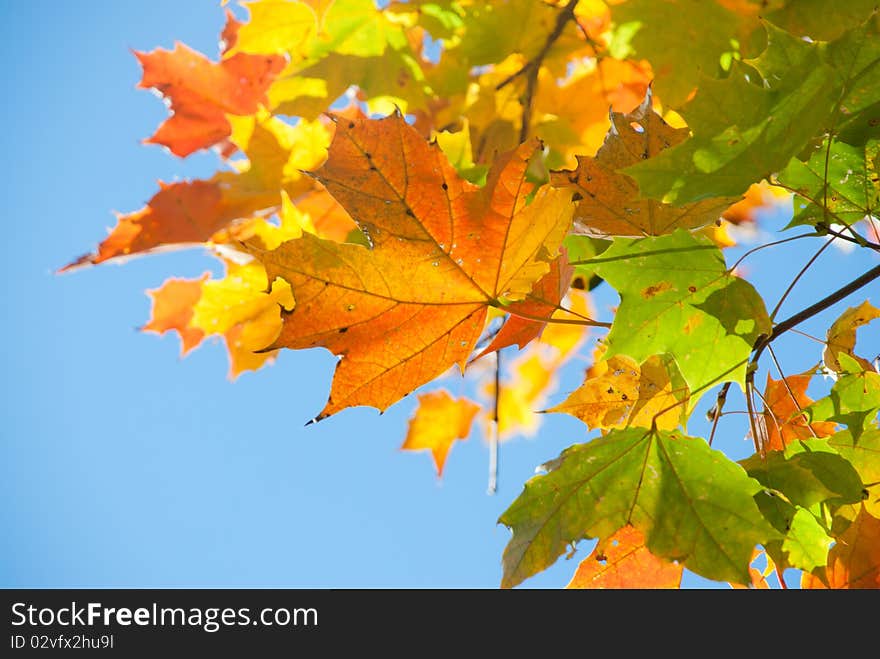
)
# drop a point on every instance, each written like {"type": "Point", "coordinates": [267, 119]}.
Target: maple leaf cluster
{"type": "Point", "coordinates": [418, 190]}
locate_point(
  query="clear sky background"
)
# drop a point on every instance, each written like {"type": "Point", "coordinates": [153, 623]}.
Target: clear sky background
{"type": "Point", "coordinates": [123, 465]}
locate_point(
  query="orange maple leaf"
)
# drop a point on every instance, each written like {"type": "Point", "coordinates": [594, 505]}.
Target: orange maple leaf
{"type": "Point", "coordinates": [442, 252]}
{"type": "Point", "coordinates": [192, 212]}
{"type": "Point", "coordinates": [229, 35]}
{"type": "Point", "coordinates": [623, 561]}
{"type": "Point", "coordinates": [439, 421]}
{"type": "Point", "coordinates": [180, 213]}
{"type": "Point", "coordinates": [543, 300]}
{"type": "Point", "coordinates": [173, 304]}
{"type": "Point", "coordinates": [782, 412]}
{"type": "Point", "coordinates": [854, 561]}
{"type": "Point", "coordinates": [202, 92]}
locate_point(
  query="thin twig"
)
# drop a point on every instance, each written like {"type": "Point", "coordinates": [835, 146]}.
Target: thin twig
{"type": "Point", "coordinates": [781, 580]}
{"type": "Point", "coordinates": [800, 274]}
{"type": "Point", "coordinates": [718, 409]}
{"type": "Point", "coordinates": [809, 336]}
{"type": "Point", "coordinates": [771, 244]}
{"type": "Point", "coordinates": [773, 416]}
{"type": "Point", "coordinates": [531, 68]}
{"type": "Point", "coordinates": [495, 434]}
{"type": "Point", "coordinates": [778, 330]}
{"type": "Point", "coordinates": [861, 243]}
{"type": "Point", "coordinates": [757, 438]}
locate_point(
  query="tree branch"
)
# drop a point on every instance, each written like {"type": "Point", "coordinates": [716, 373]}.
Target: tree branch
{"type": "Point", "coordinates": [531, 68]}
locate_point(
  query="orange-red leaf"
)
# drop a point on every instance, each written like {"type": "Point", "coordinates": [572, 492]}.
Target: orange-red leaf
{"type": "Point", "coordinates": [854, 562]}
{"type": "Point", "coordinates": [439, 421]}
{"type": "Point", "coordinates": [442, 251]}
{"type": "Point", "coordinates": [191, 212]}
{"type": "Point", "coordinates": [183, 212]}
{"type": "Point", "coordinates": [201, 92]}
{"type": "Point", "coordinates": [229, 35]}
{"type": "Point", "coordinates": [782, 415]}
{"type": "Point", "coordinates": [623, 561]}
{"type": "Point", "coordinates": [173, 304]}
{"type": "Point", "coordinates": [541, 302]}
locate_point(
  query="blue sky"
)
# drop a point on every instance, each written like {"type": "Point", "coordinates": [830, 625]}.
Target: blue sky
{"type": "Point", "coordinates": [123, 465]}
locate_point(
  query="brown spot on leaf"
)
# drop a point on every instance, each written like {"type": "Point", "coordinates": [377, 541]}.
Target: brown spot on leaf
{"type": "Point", "coordinates": [654, 289]}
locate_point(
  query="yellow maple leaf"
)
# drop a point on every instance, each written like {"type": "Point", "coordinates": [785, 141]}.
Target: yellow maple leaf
{"type": "Point", "coordinates": [439, 420]}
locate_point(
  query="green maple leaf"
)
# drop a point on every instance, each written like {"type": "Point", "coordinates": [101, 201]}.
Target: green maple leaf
{"type": "Point", "coordinates": [821, 19]}
{"type": "Point", "coordinates": [750, 124]}
{"type": "Point", "coordinates": [807, 473]}
{"type": "Point", "coordinates": [806, 543]}
{"type": "Point", "coordinates": [839, 178]}
{"type": "Point", "coordinates": [681, 38]}
{"type": "Point", "coordinates": [799, 482]}
{"type": "Point", "coordinates": [692, 503]}
{"type": "Point", "coordinates": [863, 452]}
{"type": "Point", "coordinates": [678, 297]}
{"type": "Point", "coordinates": [745, 128]}
{"type": "Point", "coordinates": [854, 400]}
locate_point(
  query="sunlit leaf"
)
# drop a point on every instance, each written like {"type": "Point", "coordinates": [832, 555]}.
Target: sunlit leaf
{"type": "Point", "coordinates": [691, 503]}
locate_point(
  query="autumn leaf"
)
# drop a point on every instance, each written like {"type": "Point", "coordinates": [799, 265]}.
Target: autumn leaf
{"type": "Point", "coordinates": [618, 392]}
{"type": "Point", "coordinates": [691, 502]}
{"type": "Point", "coordinates": [236, 307]}
{"type": "Point", "coordinates": [201, 93]}
{"type": "Point", "coordinates": [841, 336]}
{"type": "Point", "coordinates": [623, 561]}
{"type": "Point", "coordinates": [190, 212]}
{"type": "Point", "coordinates": [854, 562]}
{"type": "Point", "coordinates": [439, 420]}
{"type": "Point", "coordinates": [572, 117]}
{"type": "Point", "coordinates": [524, 323]}
{"type": "Point", "coordinates": [609, 200]}
{"type": "Point", "coordinates": [749, 125]}
{"type": "Point", "coordinates": [278, 27]}
{"type": "Point", "coordinates": [522, 394]}
{"type": "Point", "coordinates": [784, 402]}
{"type": "Point", "coordinates": [442, 252]}
{"type": "Point", "coordinates": [229, 35]}
{"type": "Point", "coordinates": [173, 304]}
